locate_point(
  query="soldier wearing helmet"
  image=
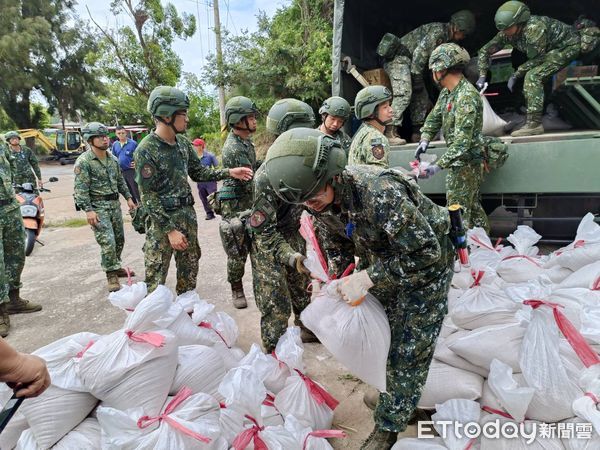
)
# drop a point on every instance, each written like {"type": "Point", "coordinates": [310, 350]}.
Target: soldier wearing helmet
{"type": "Point", "coordinates": [98, 183]}
{"type": "Point", "coordinates": [406, 255]}
{"type": "Point", "coordinates": [27, 167]}
{"type": "Point", "coordinates": [235, 196]}
{"type": "Point", "coordinates": [163, 161]}
{"type": "Point", "coordinates": [406, 62]}
{"type": "Point", "coordinates": [458, 112]}
{"type": "Point", "coordinates": [335, 111]}
{"type": "Point", "coordinates": [549, 45]}
{"type": "Point", "coordinates": [372, 106]}
{"type": "Point", "coordinates": [289, 113]}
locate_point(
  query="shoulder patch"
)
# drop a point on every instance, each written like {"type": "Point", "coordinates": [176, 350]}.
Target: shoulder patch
{"type": "Point", "coordinates": [147, 170]}
{"type": "Point", "coordinates": [378, 151]}
{"type": "Point", "coordinates": [257, 218]}
{"type": "Point", "coordinates": [376, 141]}
{"type": "Point", "coordinates": [77, 170]}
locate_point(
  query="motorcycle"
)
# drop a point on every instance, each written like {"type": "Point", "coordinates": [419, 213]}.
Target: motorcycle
{"type": "Point", "coordinates": [32, 211]}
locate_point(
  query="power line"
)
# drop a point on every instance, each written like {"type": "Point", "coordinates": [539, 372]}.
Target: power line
{"type": "Point", "coordinates": [199, 30]}
{"type": "Point", "coordinates": [231, 17]}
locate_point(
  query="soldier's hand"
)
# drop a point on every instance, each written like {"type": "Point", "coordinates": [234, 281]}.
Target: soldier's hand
{"type": "Point", "coordinates": [92, 218]}
{"type": "Point", "coordinates": [354, 288]}
{"type": "Point", "coordinates": [131, 204]}
{"type": "Point", "coordinates": [299, 263]}
{"type": "Point", "coordinates": [511, 83]}
{"type": "Point", "coordinates": [430, 171]}
{"type": "Point", "coordinates": [421, 148]}
{"type": "Point", "coordinates": [241, 173]}
{"type": "Point", "coordinates": [28, 375]}
{"type": "Point", "coordinates": [480, 83]}
{"type": "Point", "coordinates": [177, 240]}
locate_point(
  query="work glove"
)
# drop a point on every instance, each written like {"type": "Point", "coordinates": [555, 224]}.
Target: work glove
{"type": "Point", "coordinates": [430, 171]}
{"type": "Point", "coordinates": [298, 263]}
{"type": "Point", "coordinates": [421, 148]}
{"type": "Point", "coordinates": [511, 83]}
{"type": "Point", "coordinates": [480, 82]}
{"type": "Point", "coordinates": [353, 288]}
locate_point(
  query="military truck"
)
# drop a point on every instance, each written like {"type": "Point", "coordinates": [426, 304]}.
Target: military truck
{"type": "Point", "coordinates": [548, 182]}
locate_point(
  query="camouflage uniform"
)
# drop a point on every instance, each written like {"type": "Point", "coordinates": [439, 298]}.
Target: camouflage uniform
{"type": "Point", "coordinates": [409, 62]}
{"type": "Point", "coordinates": [369, 146]}
{"type": "Point", "coordinates": [12, 231]}
{"type": "Point", "coordinates": [278, 287]}
{"type": "Point", "coordinates": [27, 168]}
{"type": "Point", "coordinates": [407, 254]}
{"type": "Point", "coordinates": [460, 115]}
{"type": "Point", "coordinates": [161, 173]}
{"type": "Point", "coordinates": [98, 184]}
{"type": "Point", "coordinates": [236, 195]}
{"type": "Point", "coordinates": [549, 45]}
{"type": "Point", "coordinates": [346, 140]}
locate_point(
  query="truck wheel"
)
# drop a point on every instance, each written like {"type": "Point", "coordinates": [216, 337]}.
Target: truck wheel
{"type": "Point", "coordinates": [63, 161]}
{"type": "Point", "coordinates": [29, 241]}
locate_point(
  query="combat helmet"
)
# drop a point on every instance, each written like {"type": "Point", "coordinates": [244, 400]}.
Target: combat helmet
{"type": "Point", "coordinates": [336, 106]}
{"type": "Point", "coordinates": [301, 161]}
{"type": "Point", "coordinates": [289, 113]}
{"type": "Point", "coordinates": [164, 101]}
{"type": "Point", "coordinates": [12, 134]}
{"type": "Point", "coordinates": [463, 20]}
{"type": "Point", "coordinates": [368, 99]}
{"type": "Point", "coordinates": [93, 129]}
{"type": "Point", "coordinates": [237, 108]}
{"type": "Point", "coordinates": [511, 13]}
{"type": "Point", "coordinates": [448, 55]}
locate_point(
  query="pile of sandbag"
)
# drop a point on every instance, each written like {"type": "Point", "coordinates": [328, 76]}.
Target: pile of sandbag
{"type": "Point", "coordinates": [520, 344]}
{"type": "Point", "coordinates": [172, 377]}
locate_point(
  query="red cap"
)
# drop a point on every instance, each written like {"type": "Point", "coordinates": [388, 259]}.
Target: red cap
{"type": "Point", "coordinates": [198, 142]}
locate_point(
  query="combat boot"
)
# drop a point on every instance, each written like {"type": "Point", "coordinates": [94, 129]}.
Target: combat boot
{"type": "Point", "coordinates": [380, 440]}
{"type": "Point", "coordinates": [533, 126]}
{"type": "Point", "coordinates": [113, 281]}
{"type": "Point", "coordinates": [307, 336]}
{"type": "Point", "coordinates": [392, 135]}
{"type": "Point", "coordinates": [17, 305]}
{"type": "Point", "coordinates": [371, 397]}
{"type": "Point", "coordinates": [237, 295]}
{"type": "Point", "coordinates": [122, 273]}
{"type": "Point", "coordinates": [4, 321]}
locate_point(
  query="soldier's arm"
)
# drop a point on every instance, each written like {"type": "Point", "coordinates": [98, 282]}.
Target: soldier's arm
{"type": "Point", "coordinates": [464, 124]}
{"type": "Point", "coordinates": [483, 57]}
{"type": "Point", "coordinates": [536, 48]}
{"type": "Point", "coordinates": [338, 251]}
{"type": "Point", "coordinates": [35, 165]}
{"type": "Point", "coordinates": [376, 150]}
{"type": "Point", "coordinates": [121, 185]}
{"type": "Point", "coordinates": [420, 57]}
{"type": "Point", "coordinates": [198, 172]}
{"type": "Point", "coordinates": [433, 121]}
{"type": "Point", "coordinates": [82, 186]}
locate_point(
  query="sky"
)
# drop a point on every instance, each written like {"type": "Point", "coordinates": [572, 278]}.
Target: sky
{"type": "Point", "coordinates": [235, 16]}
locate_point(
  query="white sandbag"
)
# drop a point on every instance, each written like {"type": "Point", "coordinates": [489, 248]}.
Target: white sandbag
{"type": "Point", "coordinates": [584, 250]}
{"type": "Point", "coordinates": [86, 435]}
{"type": "Point", "coordinates": [488, 399]}
{"type": "Point", "coordinates": [269, 414]}
{"type": "Point", "coordinates": [200, 368]}
{"type": "Point", "coordinates": [448, 328]}
{"type": "Point", "coordinates": [357, 336]}
{"type": "Point", "coordinates": [309, 439]}
{"type": "Point", "coordinates": [483, 253]}
{"type": "Point", "coordinates": [576, 442]}
{"type": "Point", "coordinates": [586, 407]}
{"type": "Point", "coordinates": [482, 345]}
{"type": "Point", "coordinates": [56, 412]}
{"type": "Point", "coordinates": [272, 438]}
{"type": "Point", "coordinates": [243, 390]}
{"type": "Point", "coordinates": [590, 323]}
{"type": "Point", "coordinates": [517, 440]}
{"type": "Point", "coordinates": [290, 350]}
{"type": "Point", "coordinates": [187, 421]}
{"type": "Point", "coordinates": [525, 265]}
{"type": "Point", "coordinates": [271, 372]}
{"type": "Point", "coordinates": [445, 382]}
{"type": "Point", "coordinates": [231, 422]}
{"type": "Point", "coordinates": [443, 354]}
{"type": "Point", "coordinates": [219, 327]}
{"type": "Point", "coordinates": [573, 301]}
{"type": "Point", "coordinates": [453, 296]}
{"type": "Point", "coordinates": [181, 324]}
{"type": "Point", "coordinates": [128, 297]}
{"type": "Point", "coordinates": [513, 398]}
{"type": "Point", "coordinates": [434, 443]}
{"type": "Point", "coordinates": [462, 280]}
{"type": "Point", "coordinates": [493, 125]}
{"type": "Point", "coordinates": [586, 277]}
{"type": "Point", "coordinates": [459, 412]}
{"type": "Point", "coordinates": [557, 274]}
{"type": "Point", "coordinates": [188, 301]}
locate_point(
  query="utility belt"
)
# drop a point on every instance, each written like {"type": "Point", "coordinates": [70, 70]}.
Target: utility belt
{"type": "Point", "coordinates": [171, 203]}
{"type": "Point", "coordinates": [233, 192]}
{"type": "Point", "coordinates": [104, 197]}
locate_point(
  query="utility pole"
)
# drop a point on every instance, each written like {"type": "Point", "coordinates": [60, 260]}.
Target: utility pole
{"type": "Point", "coordinates": [219, 62]}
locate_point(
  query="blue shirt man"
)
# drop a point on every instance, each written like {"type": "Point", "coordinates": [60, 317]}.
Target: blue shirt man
{"type": "Point", "coordinates": [205, 188]}
{"type": "Point", "coordinates": [123, 149]}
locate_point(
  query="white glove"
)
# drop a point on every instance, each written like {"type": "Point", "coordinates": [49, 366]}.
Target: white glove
{"type": "Point", "coordinates": [353, 288]}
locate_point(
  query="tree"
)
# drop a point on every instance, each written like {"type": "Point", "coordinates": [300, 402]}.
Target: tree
{"type": "Point", "coordinates": [204, 108]}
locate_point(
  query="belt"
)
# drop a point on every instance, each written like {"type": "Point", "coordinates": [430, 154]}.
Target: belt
{"type": "Point", "coordinates": [170, 203]}
{"type": "Point", "coordinates": [105, 197]}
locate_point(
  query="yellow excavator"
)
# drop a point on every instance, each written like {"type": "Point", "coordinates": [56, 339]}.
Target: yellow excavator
{"type": "Point", "coordinates": [67, 148]}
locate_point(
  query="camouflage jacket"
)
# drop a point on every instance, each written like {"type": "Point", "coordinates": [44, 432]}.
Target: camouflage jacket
{"type": "Point", "coordinates": [6, 179]}
{"type": "Point", "coordinates": [272, 219]}
{"type": "Point", "coordinates": [539, 36]}
{"type": "Point", "coordinates": [346, 140]}
{"type": "Point", "coordinates": [161, 171]}
{"type": "Point", "coordinates": [459, 113]}
{"type": "Point", "coordinates": [95, 178]}
{"type": "Point", "coordinates": [237, 152]}
{"type": "Point", "coordinates": [26, 165]}
{"type": "Point", "coordinates": [421, 41]}
{"type": "Point", "coordinates": [401, 234]}
{"type": "Point", "coordinates": [369, 146]}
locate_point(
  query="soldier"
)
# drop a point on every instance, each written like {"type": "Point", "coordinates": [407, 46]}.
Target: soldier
{"type": "Point", "coordinates": [277, 248]}
{"type": "Point", "coordinates": [549, 45]}
{"type": "Point", "coordinates": [369, 144]}
{"type": "Point", "coordinates": [407, 256]}
{"type": "Point", "coordinates": [236, 195]}
{"type": "Point", "coordinates": [12, 248]}
{"type": "Point", "coordinates": [406, 61]}
{"type": "Point", "coordinates": [459, 113]}
{"type": "Point", "coordinates": [98, 183]}
{"type": "Point", "coordinates": [334, 113]}
{"type": "Point", "coordinates": [26, 165]}
{"type": "Point", "coordinates": [163, 160]}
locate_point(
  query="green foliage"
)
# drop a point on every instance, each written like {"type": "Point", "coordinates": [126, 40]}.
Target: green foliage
{"type": "Point", "coordinates": [122, 105]}
{"type": "Point", "coordinates": [204, 108]}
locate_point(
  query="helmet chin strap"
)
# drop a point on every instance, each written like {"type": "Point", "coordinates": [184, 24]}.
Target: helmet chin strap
{"type": "Point", "coordinates": [247, 126]}
{"type": "Point", "coordinates": [439, 82]}
{"type": "Point", "coordinates": [170, 124]}
{"type": "Point", "coordinates": [376, 118]}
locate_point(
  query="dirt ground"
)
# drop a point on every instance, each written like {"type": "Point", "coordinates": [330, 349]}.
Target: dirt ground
{"type": "Point", "coordinates": [64, 276]}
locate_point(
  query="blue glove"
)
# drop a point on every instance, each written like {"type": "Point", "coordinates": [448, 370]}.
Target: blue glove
{"type": "Point", "coordinates": [431, 171]}
{"type": "Point", "coordinates": [511, 83]}
{"type": "Point", "coordinates": [421, 148]}
{"type": "Point", "coordinates": [480, 83]}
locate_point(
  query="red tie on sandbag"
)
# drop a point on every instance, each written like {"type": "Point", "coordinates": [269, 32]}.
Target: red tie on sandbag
{"type": "Point", "coordinates": [477, 276]}
{"type": "Point", "coordinates": [497, 412]}
{"type": "Point", "coordinates": [592, 396]}
{"type": "Point", "coordinates": [318, 393]}
{"type": "Point", "coordinates": [129, 277]}
{"type": "Point", "coordinates": [337, 434]}
{"type": "Point", "coordinates": [209, 326]}
{"type": "Point", "coordinates": [596, 284]}
{"type": "Point", "coordinates": [528, 258]}
{"type": "Point", "coordinates": [586, 354]}
{"type": "Point", "coordinates": [85, 349]}
{"type": "Point", "coordinates": [182, 395]}
{"type": "Point", "coordinates": [250, 434]}
{"type": "Point", "coordinates": [154, 339]}
{"type": "Point", "coordinates": [484, 245]}
{"type": "Point", "coordinates": [268, 401]}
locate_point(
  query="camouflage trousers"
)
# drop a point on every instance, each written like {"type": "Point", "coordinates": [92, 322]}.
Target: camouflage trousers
{"type": "Point", "coordinates": [109, 233]}
{"type": "Point", "coordinates": [158, 252]}
{"type": "Point", "coordinates": [398, 69]}
{"type": "Point", "coordinates": [463, 187]}
{"type": "Point", "coordinates": [278, 290]}
{"type": "Point", "coordinates": [235, 265]}
{"type": "Point", "coordinates": [12, 250]}
{"type": "Point", "coordinates": [415, 321]}
{"type": "Point", "coordinates": [533, 85]}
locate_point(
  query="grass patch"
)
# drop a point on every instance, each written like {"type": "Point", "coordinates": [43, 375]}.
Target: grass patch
{"type": "Point", "coordinates": [67, 223]}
